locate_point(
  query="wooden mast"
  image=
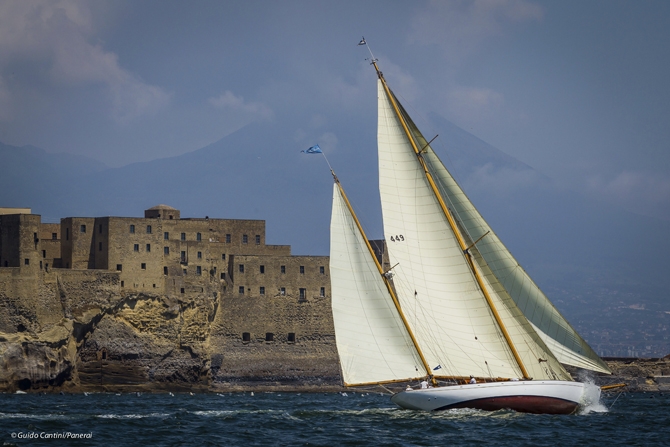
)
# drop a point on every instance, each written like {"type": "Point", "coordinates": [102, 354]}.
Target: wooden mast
{"type": "Point", "coordinates": [452, 223]}
{"type": "Point", "coordinates": [386, 281]}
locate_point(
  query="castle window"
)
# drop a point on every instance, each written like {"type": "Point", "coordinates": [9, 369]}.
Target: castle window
{"type": "Point", "coordinates": [245, 239]}
{"type": "Point", "coordinates": [136, 247]}
{"type": "Point", "coordinates": [198, 237]}
{"type": "Point", "coordinates": [82, 229]}
{"type": "Point", "coordinates": [322, 292]}
{"type": "Point", "coordinates": [148, 229]}
{"type": "Point", "coordinates": [44, 253]}
{"type": "Point", "coordinates": [67, 234]}
{"type": "Point", "coordinates": [262, 291]}
{"type": "Point", "coordinates": [199, 255]}
{"type": "Point", "coordinates": [303, 294]}
{"type": "Point", "coordinates": [183, 257]}
{"type": "Point", "coordinates": [54, 236]}
{"type": "Point", "coordinates": [119, 267]}
{"type": "Point", "coordinates": [283, 269]}
{"type": "Point", "coordinates": [282, 291]}
{"type": "Point", "coordinates": [223, 257]}
{"type": "Point", "coordinates": [291, 337]}
{"type": "Point", "coordinates": [166, 250]}
{"type": "Point", "coordinates": [148, 247]}
{"type": "Point", "coordinates": [26, 261]}
{"type": "Point", "coordinates": [241, 268]}
{"type": "Point", "coordinates": [262, 269]}
{"type": "Point", "coordinates": [166, 236]}
{"type": "Point", "coordinates": [227, 238]}
{"type": "Point", "coordinates": [246, 336]}
{"type": "Point", "coordinates": [122, 283]}
{"type": "Point", "coordinates": [258, 239]}
{"type": "Point", "coordinates": [183, 236]}
{"type": "Point", "coordinates": [223, 275]}
{"type": "Point", "coordinates": [165, 271]}
{"type": "Point", "coordinates": [99, 246]}
{"type": "Point", "coordinates": [302, 269]}
{"type": "Point", "coordinates": [132, 228]}
{"type": "Point", "coordinates": [182, 290]}
{"type": "Point", "coordinates": [144, 266]}
{"type": "Point", "coordinates": [241, 290]}
{"type": "Point", "coordinates": [100, 228]}
{"type": "Point", "coordinates": [269, 336]}
{"type": "Point", "coordinates": [322, 270]}
{"type": "Point", "coordinates": [198, 270]}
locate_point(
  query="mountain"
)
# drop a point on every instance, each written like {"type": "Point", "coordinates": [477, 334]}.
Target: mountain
{"type": "Point", "coordinates": [591, 258]}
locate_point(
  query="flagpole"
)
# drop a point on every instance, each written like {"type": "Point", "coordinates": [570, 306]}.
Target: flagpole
{"type": "Point", "coordinates": [364, 42]}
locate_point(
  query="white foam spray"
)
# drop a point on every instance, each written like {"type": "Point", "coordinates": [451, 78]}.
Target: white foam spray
{"type": "Point", "coordinates": [591, 402]}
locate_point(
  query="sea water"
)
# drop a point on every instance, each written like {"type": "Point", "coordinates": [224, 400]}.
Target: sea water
{"type": "Point", "coordinates": [316, 419]}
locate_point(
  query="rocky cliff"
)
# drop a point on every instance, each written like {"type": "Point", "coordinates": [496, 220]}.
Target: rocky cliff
{"type": "Point", "coordinates": [80, 331]}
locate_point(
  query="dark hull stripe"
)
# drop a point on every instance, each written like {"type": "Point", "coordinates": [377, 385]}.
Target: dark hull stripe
{"type": "Point", "coordinates": [523, 404]}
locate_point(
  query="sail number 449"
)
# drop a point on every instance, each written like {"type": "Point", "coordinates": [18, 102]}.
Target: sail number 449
{"type": "Point", "coordinates": [397, 238]}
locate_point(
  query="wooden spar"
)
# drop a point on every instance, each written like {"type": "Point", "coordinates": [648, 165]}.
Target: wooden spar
{"type": "Point", "coordinates": [612, 387]}
{"type": "Point", "coordinates": [386, 281]}
{"type": "Point", "coordinates": [452, 224]}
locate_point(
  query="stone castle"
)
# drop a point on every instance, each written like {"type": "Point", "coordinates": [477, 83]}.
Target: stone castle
{"type": "Point", "coordinates": [160, 302]}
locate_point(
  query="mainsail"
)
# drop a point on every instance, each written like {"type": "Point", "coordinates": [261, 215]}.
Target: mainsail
{"type": "Point", "coordinates": [436, 287]}
{"type": "Point", "coordinates": [565, 343]}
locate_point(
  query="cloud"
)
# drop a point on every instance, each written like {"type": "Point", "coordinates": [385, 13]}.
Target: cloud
{"type": "Point", "coordinates": [229, 101]}
{"type": "Point", "coordinates": [470, 103]}
{"type": "Point", "coordinates": [459, 27]}
{"type": "Point", "coordinates": [639, 192]}
{"type": "Point", "coordinates": [502, 181]}
{"type": "Point", "coordinates": [56, 36]}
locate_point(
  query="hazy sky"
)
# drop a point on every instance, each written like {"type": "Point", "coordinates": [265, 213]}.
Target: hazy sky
{"type": "Point", "coordinates": [576, 89]}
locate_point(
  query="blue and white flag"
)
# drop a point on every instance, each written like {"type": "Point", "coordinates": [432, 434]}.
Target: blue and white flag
{"type": "Point", "coordinates": [313, 150]}
{"type": "Point", "coordinates": [362, 42]}
{"type": "Point", "coordinates": [437, 367]}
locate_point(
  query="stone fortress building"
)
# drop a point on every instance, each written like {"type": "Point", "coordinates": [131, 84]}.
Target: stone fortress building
{"type": "Point", "coordinates": [159, 302]}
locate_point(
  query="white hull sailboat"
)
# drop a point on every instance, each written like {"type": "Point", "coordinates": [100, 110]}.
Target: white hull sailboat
{"type": "Point", "coordinates": [547, 397]}
{"type": "Point", "coordinates": [454, 306]}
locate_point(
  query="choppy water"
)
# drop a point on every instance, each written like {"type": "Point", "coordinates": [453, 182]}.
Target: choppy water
{"type": "Point", "coordinates": [317, 420]}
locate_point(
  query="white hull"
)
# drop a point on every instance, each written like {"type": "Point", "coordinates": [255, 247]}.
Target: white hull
{"type": "Point", "coordinates": [550, 397]}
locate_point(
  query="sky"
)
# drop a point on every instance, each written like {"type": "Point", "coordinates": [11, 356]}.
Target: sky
{"type": "Point", "coordinates": [578, 90]}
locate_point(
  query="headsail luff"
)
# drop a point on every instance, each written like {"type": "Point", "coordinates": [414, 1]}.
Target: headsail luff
{"type": "Point", "coordinates": [372, 341]}
{"type": "Point", "coordinates": [437, 290]}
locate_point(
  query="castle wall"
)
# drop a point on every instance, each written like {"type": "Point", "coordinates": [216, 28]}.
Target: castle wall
{"type": "Point", "coordinates": [50, 243]}
{"type": "Point", "coordinates": [159, 303]}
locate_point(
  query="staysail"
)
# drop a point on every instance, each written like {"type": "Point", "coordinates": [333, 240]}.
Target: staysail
{"type": "Point", "coordinates": [372, 342]}
{"type": "Point", "coordinates": [444, 305]}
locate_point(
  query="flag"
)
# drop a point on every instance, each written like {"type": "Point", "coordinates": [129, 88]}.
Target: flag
{"type": "Point", "coordinates": [362, 42]}
{"type": "Point", "coordinates": [313, 150]}
{"type": "Point", "coordinates": [437, 367]}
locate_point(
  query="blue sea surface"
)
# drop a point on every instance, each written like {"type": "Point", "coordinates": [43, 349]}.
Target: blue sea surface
{"type": "Point", "coordinates": [316, 419]}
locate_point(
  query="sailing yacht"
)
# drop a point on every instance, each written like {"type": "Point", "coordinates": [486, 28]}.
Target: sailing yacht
{"type": "Point", "coordinates": [455, 311]}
